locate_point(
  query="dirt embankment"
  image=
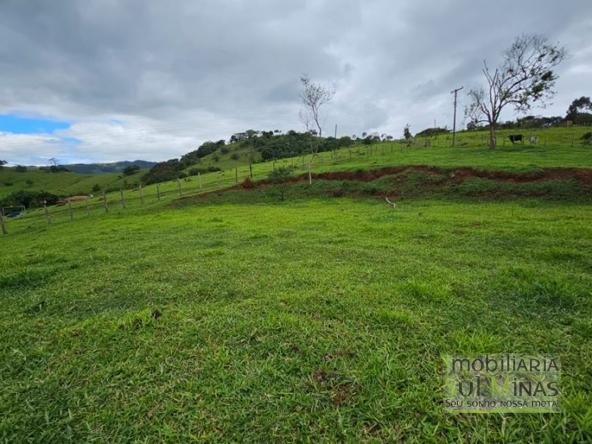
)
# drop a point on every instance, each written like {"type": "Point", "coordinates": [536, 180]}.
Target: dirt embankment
{"type": "Point", "coordinates": [583, 175]}
{"type": "Point", "coordinates": [565, 184]}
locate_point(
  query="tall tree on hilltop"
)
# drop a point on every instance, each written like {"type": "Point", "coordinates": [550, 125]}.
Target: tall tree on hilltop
{"type": "Point", "coordinates": [576, 107]}
{"type": "Point", "coordinates": [524, 78]}
{"type": "Point", "coordinates": [313, 97]}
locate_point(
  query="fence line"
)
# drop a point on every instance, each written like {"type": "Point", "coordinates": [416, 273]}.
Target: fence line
{"type": "Point", "coordinates": [217, 180]}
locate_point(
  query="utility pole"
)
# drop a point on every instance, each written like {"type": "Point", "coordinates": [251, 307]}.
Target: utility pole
{"type": "Point", "coordinates": [455, 92]}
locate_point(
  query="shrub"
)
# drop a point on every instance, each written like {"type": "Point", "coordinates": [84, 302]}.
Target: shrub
{"type": "Point", "coordinates": [280, 174]}
{"type": "Point", "coordinates": [29, 199]}
{"type": "Point", "coordinates": [587, 138]}
{"type": "Point", "coordinates": [132, 169]}
{"type": "Point", "coordinates": [96, 188]}
{"type": "Point", "coordinates": [210, 169]}
{"type": "Point", "coordinates": [432, 132]}
{"type": "Point", "coordinates": [234, 156]}
{"type": "Point", "coordinates": [20, 169]}
{"type": "Point", "coordinates": [247, 183]}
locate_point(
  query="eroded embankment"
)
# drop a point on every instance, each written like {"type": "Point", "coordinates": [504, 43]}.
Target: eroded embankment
{"type": "Point", "coordinates": [419, 181]}
{"type": "Point", "coordinates": [584, 175]}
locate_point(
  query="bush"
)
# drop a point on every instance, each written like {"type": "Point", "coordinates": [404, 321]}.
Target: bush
{"type": "Point", "coordinates": [587, 138]}
{"type": "Point", "coordinates": [280, 174]}
{"type": "Point", "coordinates": [29, 199]}
{"type": "Point", "coordinates": [55, 169]}
{"type": "Point", "coordinates": [234, 156]}
{"type": "Point", "coordinates": [247, 183]}
{"type": "Point", "coordinates": [132, 169]}
{"type": "Point", "coordinates": [20, 169]}
{"type": "Point", "coordinates": [210, 169]}
{"type": "Point", "coordinates": [96, 188]}
{"type": "Point", "coordinates": [428, 132]}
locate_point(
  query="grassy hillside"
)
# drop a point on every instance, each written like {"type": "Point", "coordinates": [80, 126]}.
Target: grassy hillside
{"type": "Point", "coordinates": [560, 138]}
{"type": "Point", "coordinates": [62, 183]}
{"type": "Point", "coordinates": [290, 311]}
{"type": "Point", "coordinates": [554, 148]}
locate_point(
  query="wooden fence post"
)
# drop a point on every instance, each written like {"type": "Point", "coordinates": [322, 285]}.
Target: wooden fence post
{"type": "Point", "coordinates": [70, 210]}
{"type": "Point", "coordinates": [122, 199]}
{"type": "Point", "coordinates": [236, 176]}
{"type": "Point", "coordinates": [46, 211]}
{"type": "Point", "coordinates": [87, 208]}
{"type": "Point", "coordinates": [251, 170]}
{"type": "Point", "coordinates": [158, 191]}
{"type": "Point", "coordinates": [310, 172]}
{"type": "Point", "coordinates": [105, 202]}
{"type": "Point", "coordinates": [141, 194]}
{"type": "Point", "coordinates": [2, 223]}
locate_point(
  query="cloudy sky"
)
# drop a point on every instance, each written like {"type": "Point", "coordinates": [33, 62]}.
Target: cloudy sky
{"type": "Point", "coordinates": [110, 80]}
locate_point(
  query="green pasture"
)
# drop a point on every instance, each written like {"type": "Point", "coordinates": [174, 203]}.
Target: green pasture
{"type": "Point", "coordinates": [320, 319]}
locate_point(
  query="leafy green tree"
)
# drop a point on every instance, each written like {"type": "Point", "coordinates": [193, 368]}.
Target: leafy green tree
{"type": "Point", "coordinates": [129, 170]}
{"type": "Point", "coordinates": [575, 114]}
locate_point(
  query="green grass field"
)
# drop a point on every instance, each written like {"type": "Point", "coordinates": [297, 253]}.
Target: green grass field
{"type": "Point", "coordinates": [239, 316]}
{"type": "Point", "coordinates": [313, 318]}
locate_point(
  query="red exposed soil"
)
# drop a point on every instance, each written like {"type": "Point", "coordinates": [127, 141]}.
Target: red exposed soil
{"type": "Point", "coordinates": [458, 175]}
{"type": "Point", "coordinates": [583, 175]}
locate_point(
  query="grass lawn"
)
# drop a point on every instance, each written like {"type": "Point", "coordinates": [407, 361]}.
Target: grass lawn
{"type": "Point", "coordinates": [309, 319]}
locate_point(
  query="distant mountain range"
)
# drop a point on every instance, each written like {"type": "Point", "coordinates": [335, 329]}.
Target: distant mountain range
{"type": "Point", "coordinates": [113, 167]}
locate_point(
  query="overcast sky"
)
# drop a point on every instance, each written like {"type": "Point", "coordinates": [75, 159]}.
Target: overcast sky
{"type": "Point", "coordinates": [136, 79]}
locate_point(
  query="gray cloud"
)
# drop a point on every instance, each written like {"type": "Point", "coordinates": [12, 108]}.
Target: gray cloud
{"type": "Point", "coordinates": [152, 79]}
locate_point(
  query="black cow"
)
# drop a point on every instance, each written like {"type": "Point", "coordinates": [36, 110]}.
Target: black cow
{"type": "Point", "coordinates": [516, 138]}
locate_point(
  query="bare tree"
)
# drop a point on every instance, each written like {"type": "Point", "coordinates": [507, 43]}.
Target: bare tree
{"type": "Point", "coordinates": [304, 117]}
{"type": "Point", "coordinates": [525, 77]}
{"type": "Point", "coordinates": [313, 97]}
{"type": "Point", "coordinates": [53, 161]}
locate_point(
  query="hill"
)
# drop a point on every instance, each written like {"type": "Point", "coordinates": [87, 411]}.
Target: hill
{"type": "Point", "coordinates": [63, 183]}
{"type": "Point", "coordinates": [255, 147]}
{"type": "Point", "coordinates": [202, 310]}
{"type": "Point", "coordinates": [112, 167]}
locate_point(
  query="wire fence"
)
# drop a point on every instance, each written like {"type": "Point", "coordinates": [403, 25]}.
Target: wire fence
{"type": "Point", "coordinates": [142, 197]}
